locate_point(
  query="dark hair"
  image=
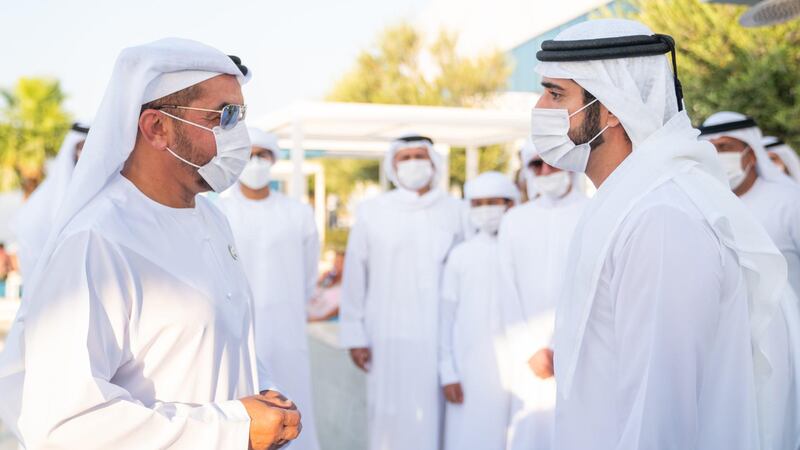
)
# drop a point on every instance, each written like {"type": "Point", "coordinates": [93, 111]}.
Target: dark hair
{"type": "Point", "coordinates": [179, 98]}
{"type": "Point", "coordinates": [593, 117]}
{"type": "Point", "coordinates": [587, 96]}
{"type": "Point", "coordinates": [591, 122]}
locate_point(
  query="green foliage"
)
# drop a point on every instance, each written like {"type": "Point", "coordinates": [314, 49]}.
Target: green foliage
{"type": "Point", "coordinates": [724, 66]}
{"type": "Point", "coordinates": [493, 157]}
{"type": "Point", "coordinates": [342, 175]}
{"type": "Point", "coordinates": [32, 125]}
{"type": "Point", "coordinates": [391, 73]}
{"type": "Point", "coordinates": [336, 239]}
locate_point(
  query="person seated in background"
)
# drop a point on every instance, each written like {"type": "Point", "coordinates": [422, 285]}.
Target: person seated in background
{"type": "Point", "coordinates": [324, 304]}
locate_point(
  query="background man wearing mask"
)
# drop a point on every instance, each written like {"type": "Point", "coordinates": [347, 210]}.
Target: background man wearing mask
{"type": "Point", "coordinates": [278, 245]}
{"type": "Point", "coordinates": [472, 343]}
{"type": "Point", "coordinates": [774, 200]}
{"type": "Point", "coordinates": [390, 296]}
{"type": "Point", "coordinates": [784, 156]}
{"type": "Point", "coordinates": [659, 338]}
{"type": "Point", "coordinates": [136, 329]}
{"type": "Point", "coordinates": [533, 244]}
{"type": "Point", "coordinates": [766, 191]}
{"type": "Point", "coordinates": [31, 226]}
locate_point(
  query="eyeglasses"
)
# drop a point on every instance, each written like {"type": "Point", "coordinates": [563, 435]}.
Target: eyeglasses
{"type": "Point", "coordinates": [229, 115]}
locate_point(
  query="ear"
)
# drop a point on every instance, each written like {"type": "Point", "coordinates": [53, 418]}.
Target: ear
{"type": "Point", "coordinates": [611, 120]}
{"type": "Point", "coordinates": [154, 129]}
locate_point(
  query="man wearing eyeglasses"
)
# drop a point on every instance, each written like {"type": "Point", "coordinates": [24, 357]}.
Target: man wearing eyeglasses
{"type": "Point", "coordinates": [533, 243]}
{"type": "Point", "coordinates": [136, 329]}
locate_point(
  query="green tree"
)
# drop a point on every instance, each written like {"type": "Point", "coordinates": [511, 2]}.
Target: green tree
{"type": "Point", "coordinates": [391, 72]}
{"type": "Point", "coordinates": [724, 66]}
{"type": "Point", "coordinates": [341, 175]}
{"type": "Point", "coordinates": [32, 125]}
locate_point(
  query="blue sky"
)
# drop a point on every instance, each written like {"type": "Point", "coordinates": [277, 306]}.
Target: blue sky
{"type": "Point", "coordinates": [296, 48]}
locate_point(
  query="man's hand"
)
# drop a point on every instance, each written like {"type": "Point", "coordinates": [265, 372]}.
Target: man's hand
{"type": "Point", "coordinates": [541, 363]}
{"type": "Point", "coordinates": [453, 393]}
{"type": "Point", "coordinates": [361, 357]}
{"type": "Point", "coordinates": [274, 420]}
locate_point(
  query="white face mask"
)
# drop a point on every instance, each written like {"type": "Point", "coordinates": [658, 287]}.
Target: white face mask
{"type": "Point", "coordinates": [415, 174]}
{"type": "Point", "coordinates": [554, 185]}
{"type": "Point", "coordinates": [233, 153]}
{"type": "Point", "coordinates": [732, 163]}
{"type": "Point", "coordinates": [487, 218]}
{"type": "Point", "coordinates": [256, 173]}
{"type": "Point", "coordinates": [549, 133]}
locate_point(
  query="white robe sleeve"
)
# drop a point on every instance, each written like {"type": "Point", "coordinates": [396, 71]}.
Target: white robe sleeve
{"type": "Point", "coordinates": [667, 284]}
{"type": "Point", "coordinates": [263, 370]}
{"type": "Point", "coordinates": [794, 224]}
{"type": "Point", "coordinates": [514, 315]}
{"type": "Point", "coordinates": [353, 332]}
{"type": "Point", "coordinates": [310, 253]}
{"type": "Point", "coordinates": [76, 337]}
{"type": "Point", "coordinates": [447, 316]}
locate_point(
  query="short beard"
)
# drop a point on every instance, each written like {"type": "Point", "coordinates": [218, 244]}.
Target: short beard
{"type": "Point", "coordinates": [193, 155]}
{"type": "Point", "coordinates": [590, 127]}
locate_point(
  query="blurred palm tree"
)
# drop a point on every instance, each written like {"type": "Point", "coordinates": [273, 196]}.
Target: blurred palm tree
{"type": "Point", "coordinates": [33, 123]}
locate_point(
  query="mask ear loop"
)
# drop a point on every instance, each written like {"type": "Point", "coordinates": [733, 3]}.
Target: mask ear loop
{"type": "Point", "coordinates": [184, 160]}
{"type": "Point", "coordinates": [190, 123]}
{"type": "Point", "coordinates": [583, 107]}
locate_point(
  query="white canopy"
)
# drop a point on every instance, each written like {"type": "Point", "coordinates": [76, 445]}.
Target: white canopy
{"type": "Point", "coordinates": [359, 130]}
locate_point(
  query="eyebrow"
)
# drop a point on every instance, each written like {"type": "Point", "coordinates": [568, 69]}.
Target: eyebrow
{"type": "Point", "coordinates": [552, 86]}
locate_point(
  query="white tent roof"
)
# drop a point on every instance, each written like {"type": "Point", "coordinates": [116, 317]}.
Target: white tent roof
{"type": "Point", "coordinates": [359, 129]}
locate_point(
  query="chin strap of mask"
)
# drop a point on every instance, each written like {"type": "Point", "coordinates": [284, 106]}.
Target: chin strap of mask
{"type": "Point", "coordinates": [613, 48]}
{"type": "Point", "coordinates": [728, 126]}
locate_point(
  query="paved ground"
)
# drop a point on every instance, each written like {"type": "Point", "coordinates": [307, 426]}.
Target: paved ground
{"type": "Point", "coordinates": [339, 392]}
{"type": "Point", "coordinates": [338, 395]}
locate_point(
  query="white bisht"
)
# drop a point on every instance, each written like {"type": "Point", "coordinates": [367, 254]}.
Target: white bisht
{"type": "Point", "coordinates": [661, 332]}
{"type": "Point", "coordinates": [135, 331]}
{"type": "Point", "coordinates": [390, 296]}
{"type": "Point", "coordinates": [472, 343]}
{"type": "Point", "coordinates": [31, 225]}
{"type": "Point", "coordinates": [533, 243]}
{"type": "Point", "coordinates": [278, 246]}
